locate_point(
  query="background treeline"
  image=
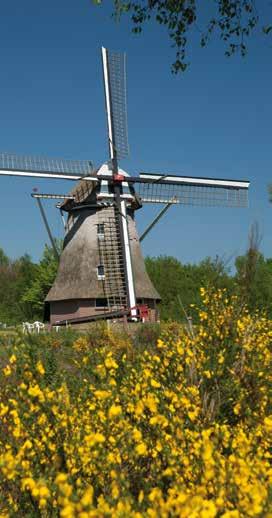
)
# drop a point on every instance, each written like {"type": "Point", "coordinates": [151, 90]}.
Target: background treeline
{"type": "Point", "coordinates": [24, 284]}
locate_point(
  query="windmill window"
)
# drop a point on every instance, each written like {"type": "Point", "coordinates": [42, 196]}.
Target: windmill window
{"type": "Point", "coordinates": [100, 272]}
{"type": "Point", "coordinates": [101, 303]}
{"type": "Point", "coordinates": [100, 230]}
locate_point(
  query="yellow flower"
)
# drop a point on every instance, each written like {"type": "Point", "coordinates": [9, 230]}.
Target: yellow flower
{"type": "Point", "coordinates": [192, 414]}
{"type": "Point", "coordinates": [231, 514]}
{"type": "Point", "coordinates": [102, 394]}
{"type": "Point", "coordinates": [154, 494]}
{"type": "Point", "coordinates": [27, 444]}
{"type": "Point", "coordinates": [139, 408]}
{"type": "Point", "coordinates": [60, 478]}
{"type": "Point", "coordinates": [40, 368]}
{"type": "Point", "coordinates": [207, 452]}
{"type": "Point", "coordinates": [35, 391]}
{"type": "Point", "coordinates": [237, 408]}
{"type": "Point", "coordinates": [221, 357]}
{"type": "Point", "coordinates": [7, 370]}
{"type": "Point", "coordinates": [111, 458]}
{"type": "Point", "coordinates": [141, 496]}
{"type": "Point", "coordinates": [99, 437]}
{"type": "Point", "coordinates": [68, 511]}
{"type": "Point", "coordinates": [160, 344]}
{"type": "Point", "coordinates": [158, 446]}
{"type": "Point", "coordinates": [87, 498]}
{"type": "Point", "coordinates": [3, 409]}
{"type": "Point", "coordinates": [154, 383]}
{"type": "Point", "coordinates": [111, 363]}
{"type": "Point", "coordinates": [94, 438]}
{"type": "Point", "coordinates": [44, 492]}
{"type": "Point", "coordinates": [268, 423]}
{"type": "Point", "coordinates": [209, 510]}
{"type": "Point", "coordinates": [81, 344]}
{"type": "Point", "coordinates": [147, 373]}
{"type": "Point", "coordinates": [115, 491]}
{"type": "Point", "coordinates": [12, 359]}
{"type": "Point", "coordinates": [141, 448]}
{"type": "Point", "coordinates": [136, 434]}
{"type": "Point", "coordinates": [151, 403]}
{"type": "Point", "coordinates": [28, 483]}
{"type": "Point", "coordinates": [114, 411]}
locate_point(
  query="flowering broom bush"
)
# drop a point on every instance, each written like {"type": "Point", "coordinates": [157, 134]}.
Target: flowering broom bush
{"type": "Point", "coordinates": [181, 428]}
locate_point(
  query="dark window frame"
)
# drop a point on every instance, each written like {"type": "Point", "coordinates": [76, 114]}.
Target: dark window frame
{"type": "Point", "coordinates": [100, 270]}
{"type": "Point", "coordinates": [101, 230]}
{"type": "Point", "coordinates": [101, 303]}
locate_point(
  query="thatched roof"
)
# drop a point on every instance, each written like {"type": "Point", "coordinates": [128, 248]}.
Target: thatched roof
{"type": "Point", "coordinates": [82, 193]}
{"type": "Point", "coordinates": [77, 273]}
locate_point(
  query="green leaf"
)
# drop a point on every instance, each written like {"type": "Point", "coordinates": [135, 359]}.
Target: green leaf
{"type": "Point", "coordinates": [267, 29]}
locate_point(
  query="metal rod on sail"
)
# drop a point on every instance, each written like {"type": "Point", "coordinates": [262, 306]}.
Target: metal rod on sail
{"type": "Point", "coordinates": [48, 228]}
{"type": "Point", "coordinates": [155, 220]}
{"type": "Point", "coordinates": [62, 219]}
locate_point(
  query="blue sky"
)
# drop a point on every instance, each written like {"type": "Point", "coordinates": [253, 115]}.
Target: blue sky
{"type": "Point", "coordinates": [214, 120]}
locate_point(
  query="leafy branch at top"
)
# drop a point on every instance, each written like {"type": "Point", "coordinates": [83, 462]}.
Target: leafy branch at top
{"type": "Point", "coordinates": [234, 20]}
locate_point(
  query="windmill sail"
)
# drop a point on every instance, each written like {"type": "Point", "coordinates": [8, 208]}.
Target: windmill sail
{"type": "Point", "coordinates": [158, 188]}
{"type": "Point", "coordinates": [44, 167]}
{"type": "Point", "coordinates": [116, 106]}
{"type": "Point", "coordinates": [114, 68]}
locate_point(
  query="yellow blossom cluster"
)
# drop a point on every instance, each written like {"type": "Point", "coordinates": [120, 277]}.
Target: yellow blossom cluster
{"type": "Point", "coordinates": [182, 428]}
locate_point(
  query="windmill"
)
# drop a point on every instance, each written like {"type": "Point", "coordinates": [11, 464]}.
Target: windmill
{"type": "Point", "coordinates": [101, 271]}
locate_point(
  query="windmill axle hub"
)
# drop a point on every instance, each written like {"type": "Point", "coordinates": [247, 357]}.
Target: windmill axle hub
{"type": "Point", "coordinates": [118, 177]}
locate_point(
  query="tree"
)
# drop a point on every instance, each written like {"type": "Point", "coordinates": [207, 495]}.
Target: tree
{"type": "Point", "coordinates": [247, 266]}
{"type": "Point", "coordinates": [24, 285]}
{"type": "Point", "coordinates": [233, 20]}
{"type": "Point", "coordinates": [15, 276]}
{"type": "Point", "coordinates": [26, 271]}
{"type": "Point", "coordinates": [259, 294]}
{"type": "Point", "coordinates": [167, 275]}
{"type": "Point", "coordinates": [179, 285]}
{"type": "Point", "coordinates": [254, 276]}
{"type": "Point", "coordinates": [4, 260]}
{"type": "Point", "coordinates": [42, 281]}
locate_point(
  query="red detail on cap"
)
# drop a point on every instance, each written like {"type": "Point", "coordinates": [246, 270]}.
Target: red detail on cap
{"type": "Point", "coordinates": [118, 177]}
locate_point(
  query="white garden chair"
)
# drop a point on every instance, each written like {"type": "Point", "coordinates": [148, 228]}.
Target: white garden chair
{"type": "Point", "coordinates": [27, 327]}
{"type": "Point", "coordinates": [38, 326]}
